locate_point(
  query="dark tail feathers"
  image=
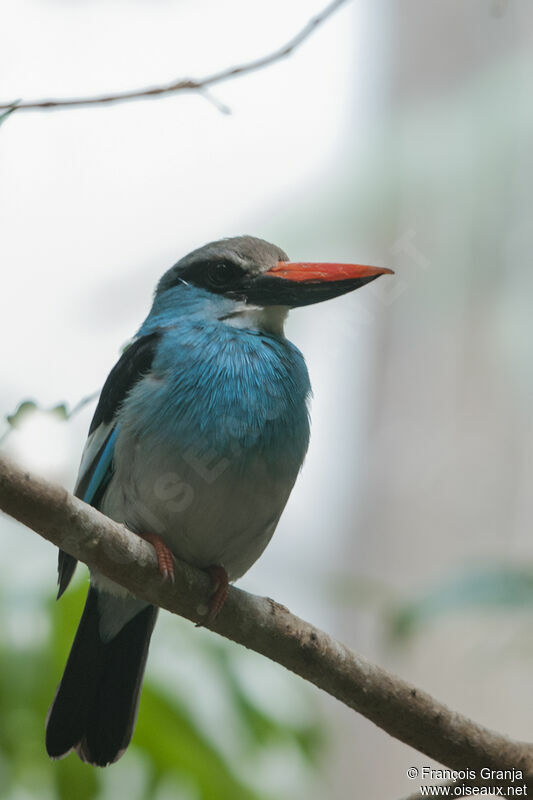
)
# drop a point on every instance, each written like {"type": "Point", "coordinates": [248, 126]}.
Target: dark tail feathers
{"type": "Point", "coordinates": [95, 706]}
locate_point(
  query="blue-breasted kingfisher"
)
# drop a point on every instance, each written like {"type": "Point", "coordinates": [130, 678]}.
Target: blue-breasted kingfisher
{"type": "Point", "coordinates": [199, 434]}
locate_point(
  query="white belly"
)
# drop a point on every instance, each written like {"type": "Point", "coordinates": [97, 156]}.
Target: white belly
{"type": "Point", "coordinates": [209, 510]}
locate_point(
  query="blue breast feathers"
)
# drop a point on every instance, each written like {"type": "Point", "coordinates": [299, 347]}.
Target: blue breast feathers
{"type": "Point", "coordinates": [239, 392]}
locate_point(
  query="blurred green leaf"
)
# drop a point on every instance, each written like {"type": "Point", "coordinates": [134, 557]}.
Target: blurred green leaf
{"type": "Point", "coordinates": [176, 747]}
{"type": "Point", "coordinates": [165, 732]}
{"type": "Point", "coordinates": [28, 677]}
{"type": "Point", "coordinates": [75, 779]}
{"type": "Point", "coordinates": [59, 411]}
{"type": "Point", "coordinates": [27, 408]}
{"type": "Point", "coordinates": [264, 729]}
{"type": "Point", "coordinates": [169, 746]}
{"type": "Point", "coordinates": [24, 410]}
{"type": "Point", "coordinates": [481, 588]}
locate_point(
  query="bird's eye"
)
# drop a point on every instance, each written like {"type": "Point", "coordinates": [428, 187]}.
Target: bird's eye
{"type": "Point", "coordinates": [221, 274]}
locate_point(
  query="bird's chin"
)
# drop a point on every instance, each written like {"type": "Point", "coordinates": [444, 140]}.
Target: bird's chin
{"type": "Point", "coordinates": [248, 316]}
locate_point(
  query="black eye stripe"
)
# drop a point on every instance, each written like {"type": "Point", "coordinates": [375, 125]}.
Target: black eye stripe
{"type": "Point", "coordinates": [222, 273]}
{"type": "Point", "coordinates": [216, 276]}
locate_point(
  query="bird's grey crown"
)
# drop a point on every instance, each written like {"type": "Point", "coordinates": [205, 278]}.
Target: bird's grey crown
{"type": "Point", "coordinates": [250, 254]}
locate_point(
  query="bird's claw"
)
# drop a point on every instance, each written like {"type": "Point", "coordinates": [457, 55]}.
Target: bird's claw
{"type": "Point", "coordinates": [165, 556]}
{"type": "Point", "coordinates": [217, 596]}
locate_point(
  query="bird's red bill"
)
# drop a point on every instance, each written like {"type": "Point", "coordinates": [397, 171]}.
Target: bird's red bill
{"type": "Point", "coordinates": [307, 272]}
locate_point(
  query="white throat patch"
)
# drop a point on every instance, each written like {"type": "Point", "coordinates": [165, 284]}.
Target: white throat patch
{"type": "Point", "coordinates": [264, 318]}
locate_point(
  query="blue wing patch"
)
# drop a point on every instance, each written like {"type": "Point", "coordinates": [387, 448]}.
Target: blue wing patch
{"type": "Point", "coordinates": [91, 487]}
{"type": "Point", "coordinates": [96, 469]}
{"type": "Point", "coordinates": [102, 470]}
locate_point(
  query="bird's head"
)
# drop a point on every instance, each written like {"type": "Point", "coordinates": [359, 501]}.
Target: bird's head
{"type": "Point", "coordinates": [247, 276]}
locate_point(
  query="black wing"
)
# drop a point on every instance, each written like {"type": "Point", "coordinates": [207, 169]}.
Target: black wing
{"type": "Point", "coordinates": [134, 363]}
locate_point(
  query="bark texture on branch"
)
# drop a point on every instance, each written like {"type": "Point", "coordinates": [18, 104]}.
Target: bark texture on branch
{"type": "Point", "coordinates": [263, 625]}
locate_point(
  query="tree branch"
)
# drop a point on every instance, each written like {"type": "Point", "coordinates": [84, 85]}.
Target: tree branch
{"type": "Point", "coordinates": [260, 624]}
{"type": "Point", "coordinates": [184, 84]}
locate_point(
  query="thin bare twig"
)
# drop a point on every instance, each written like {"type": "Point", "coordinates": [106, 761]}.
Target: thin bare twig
{"type": "Point", "coordinates": [184, 84]}
{"type": "Point", "coordinates": [263, 625]}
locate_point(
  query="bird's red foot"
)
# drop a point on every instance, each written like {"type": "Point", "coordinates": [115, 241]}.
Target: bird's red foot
{"type": "Point", "coordinates": [219, 592]}
{"type": "Point", "coordinates": [165, 557]}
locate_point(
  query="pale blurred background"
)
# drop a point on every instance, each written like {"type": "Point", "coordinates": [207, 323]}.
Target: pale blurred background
{"type": "Point", "coordinates": [400, 134]}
